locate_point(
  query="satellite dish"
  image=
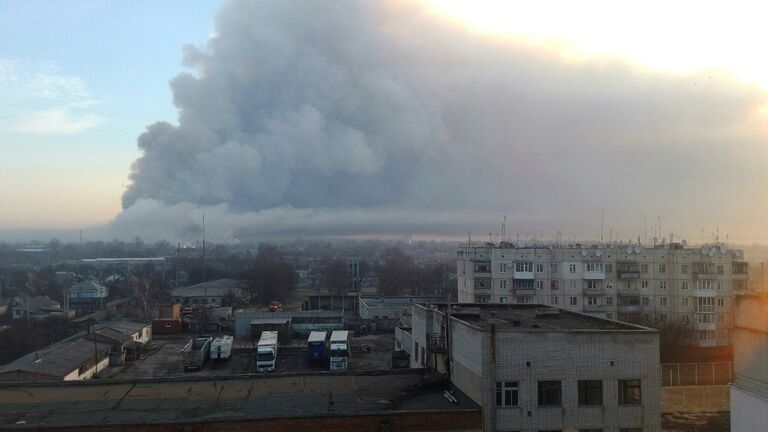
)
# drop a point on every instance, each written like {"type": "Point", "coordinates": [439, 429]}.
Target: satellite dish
{"type": "Point", "coordinates": [599, 252]}
{"type": "Point", "coordinates": [584, 252]}
{"type": "Point", "coordinates": [629, 249]}
{"type": "Point", "coordinates": [638, 249]}
{"type": "Point", "coordinates": [610, 285]}
{"type": "Point", "coordinates": [711, 252]}
{"type": "Point", "coordinates": [685, 242]}
{"type": "Point", "coordinates": [722, 249]}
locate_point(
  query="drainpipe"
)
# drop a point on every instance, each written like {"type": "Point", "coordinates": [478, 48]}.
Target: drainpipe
{"type": "Point", "coordinates": [492, 376]}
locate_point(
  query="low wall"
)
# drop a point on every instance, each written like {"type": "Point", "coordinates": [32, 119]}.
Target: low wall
{"type": "Point", "coordinates": [695, 398]}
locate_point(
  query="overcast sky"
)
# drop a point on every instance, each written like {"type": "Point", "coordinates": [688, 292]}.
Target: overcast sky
{"type": "Point", "coordinates": [355, 118]}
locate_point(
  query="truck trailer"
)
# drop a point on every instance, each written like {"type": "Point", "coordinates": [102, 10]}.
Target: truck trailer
{"type": "Point", "coordinates": [196, 352]}
{"type": "Point", "coordinates": [221, 348]}
{"type": "Point", "coordinates": [266, 352]}
{"type": "Point", "coordinates": [316, 346]}
{"type": "Point", "coordinates": [339, 350]}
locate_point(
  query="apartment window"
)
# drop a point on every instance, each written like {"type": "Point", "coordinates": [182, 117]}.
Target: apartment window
{"type": "Point", "coordinates": [609, 284]}
{"type": "Point", "coordinates": [593, 301]}
{"type": "Point", "coordinates": [684, 269]}
{"type": "Point", "coordinates": [573, 301]}
{"type": "Point", "coordinates": [591, 392]}
{"type": "Point", "coordinates": [663, 285]}
{"type": "Point", "coordinates": [609, 301]}
{"type": "Point", "coordinates": [631, 430]}
{"type": "Point", "coordinates": [704, 284]}
{"type": "Point", "coordinates": [572, 284]}
{"type": "Point", "coordinates": [719, 285]}
{"type": "Point", "coordinates": [507, 394]}
{"type": "Point", "coordinates": [644, 268]}
{"type": "Point", "coordinates": [662, 268]}
{"type": "Point", "coordinates": [609, 315]}
{"type": "Point", "coordinates": [646, 301]}
{"type": "Point", "coordinates": [662, 301]}
{"type": "Point", "coordinates": [684, 301]}
{"type": "Point", "coordinates": [719, 269]}
{"type": "Point", "coordinates": [553, 268]}
{"type": "Point", "coordinates": [629, 392]}
{"type": "Point", "coordinates": [609, 268]}
{"type": "Point", "coordinates": [540, 284]}
{"type": "Point", "coordinates": [522, 300]}
{"type": "Point", "coordinates": [523, 284]}
{"type": "Point", "coordinates": [167, 323]}
{"type": "Point", "coordinates": [685, 319]}
{"type": "Point", "coordinates": [721, 318]}
{"type": "Point", "coordinates": [539, 268]}
{"type": "Point", "coordinates": [553, 284]}
{"type": "Point", "coordinates": [593, 284]}
{"type": "Point", "coordinates": [502, 299]}
{"type": "Point", "coordinates": [594, 266]}
{"type": "Point", "coordinates": [553, 300]}
{"type": "Point", "coordinates": [644, 284]}
{"type": "Point", "coordinates": [503, 284]}
{"type": "Point", "coordinates": [572, 268]}
{"type": "Point", "coordinates": [685, 285]}
{"type": "Point", "coordinates": [662, 317]}
{"type": "Point", "coordinates": [502, 267]}
{"type": "Point", "coordinates": [550, 393]}
{"type": "Point", "coordinates": [721, 302]}
{"type": "Point", "coordinates": [523, 267]}
{"type": "Point", "coordinates": [705, 304]}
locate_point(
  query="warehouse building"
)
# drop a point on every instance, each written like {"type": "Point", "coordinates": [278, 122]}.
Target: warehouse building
{"type": "Point", "coordinates": [535, 368]}
{"type": "Point", "coordinates": [72, 359]}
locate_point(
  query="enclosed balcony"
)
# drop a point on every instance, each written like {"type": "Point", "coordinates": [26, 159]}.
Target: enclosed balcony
{"type": "Point", "coordinates": [595, 308]}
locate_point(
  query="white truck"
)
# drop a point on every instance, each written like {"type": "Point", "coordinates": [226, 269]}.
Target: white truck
{"type": "Point", "coordinates": [266, 352]}
{"type": "Point", "coordinates": [221, 348]}
{"type": "Point", "coordinates": [338, 350]}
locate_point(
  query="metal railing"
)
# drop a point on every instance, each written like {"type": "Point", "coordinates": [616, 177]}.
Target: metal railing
{"type": "Point", "coordinates": [693, 374]}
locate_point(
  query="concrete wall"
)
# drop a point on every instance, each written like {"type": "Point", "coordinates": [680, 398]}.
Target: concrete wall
{"type": "Point", "coordinates": [749, 412]}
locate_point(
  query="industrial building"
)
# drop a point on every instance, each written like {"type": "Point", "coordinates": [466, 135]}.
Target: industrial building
{"type": "Point", "coordinates": [649, 285]}
{"type": "Point", "coordinates": [535, 368]}
{"type": "Point", "coordinates": [71, 359]}
{"type": "Point", "coordinates": [403, 401]}
{"type": "Point", "coordinates": [379, 313]}
{"type": "Point", "coordinates": [299, 322]}
{"type": "Point", "coordinates": [749, 391]}
{"type": "Point", "coordinates": [222, 292]}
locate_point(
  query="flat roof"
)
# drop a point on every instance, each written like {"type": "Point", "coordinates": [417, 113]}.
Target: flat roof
{"type": "Point", "coordinates": [236, 397]}
{"type": "Point", "coordinates": [528, 317]}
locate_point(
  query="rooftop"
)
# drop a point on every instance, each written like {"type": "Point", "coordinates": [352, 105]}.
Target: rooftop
{"type": "Point", "coordinates": [59, 359]}
{"type": "Point", "coordinates": [531, 317]}
{"type": "Point", "coordinates": [40, 303]}
{"type": "Point", "coordinates": [217, 288]}
{"type": "Point", "coordinates": [224, 398]}
{"type": "Point", "coordinates": [396, 301]}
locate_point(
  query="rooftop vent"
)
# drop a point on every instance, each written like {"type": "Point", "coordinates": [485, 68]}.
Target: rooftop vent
{"type": "Point", "coordinates": [543, 312]}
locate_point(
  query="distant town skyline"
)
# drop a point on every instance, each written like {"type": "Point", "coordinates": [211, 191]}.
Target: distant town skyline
{"type": "Point", "coordinates": [424, 117]}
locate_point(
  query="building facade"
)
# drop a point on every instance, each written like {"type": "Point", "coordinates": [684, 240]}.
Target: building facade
{"type": "Point", "coordinates": [536, 368]}
{"type": "Point", "coordinates": [749, 391]}
{"type": "Point", "coordinates": [653, 286]}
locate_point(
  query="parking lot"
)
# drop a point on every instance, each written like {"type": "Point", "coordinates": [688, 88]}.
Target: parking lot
{"type": "Point", "coordinates": [162, 358]}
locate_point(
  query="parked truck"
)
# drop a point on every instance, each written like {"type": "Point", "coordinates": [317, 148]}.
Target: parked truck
{"type": "Point", "coordinates": [316, 346]}
{"type": "Point", "coordinates": [196, 352]}
{"type": "Point", "coordinates": [221, 348]}
{"type": "Point", "coordinates": [266, 352]}
{"type": "Point", "coordinates": [339, 350]}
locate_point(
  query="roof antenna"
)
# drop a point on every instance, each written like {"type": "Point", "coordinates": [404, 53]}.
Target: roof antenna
{"type": "Point", "coordinates": [602, 224]}
{"type": "Point", "coordinates": [503, 228]}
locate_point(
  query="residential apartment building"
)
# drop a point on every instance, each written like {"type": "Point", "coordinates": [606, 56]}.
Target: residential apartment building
{"type": "Point", "coordinates": [749, 391]}
{"type": "Point", "coordinates": [654, 286]}
{"type": "Point", "coordinates": [535, 368]}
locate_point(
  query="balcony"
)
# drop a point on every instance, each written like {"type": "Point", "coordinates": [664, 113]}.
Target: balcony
{"type": "Point", "coordinates": [525, 291]}
{"type": "Point", "coordinates": [705, 326]}
{"type": "Point", "coordinates": [523, 275]}
{"type": "Point", "coordinates": [594, 291]}
{"type": "Point", "coordinates": [595, 308]}
{"type": "Point", "coordinates": [623, 274]}
{"type": "Point", "coordinates": [704, 292]}
{"type": "Point", "coordinates": [629, 308]}
{"type": "Point", "coordinates": [594, 275]}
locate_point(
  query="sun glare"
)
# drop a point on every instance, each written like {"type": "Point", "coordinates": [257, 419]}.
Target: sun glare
{"type": "Point", "coordinates": [679, 36]}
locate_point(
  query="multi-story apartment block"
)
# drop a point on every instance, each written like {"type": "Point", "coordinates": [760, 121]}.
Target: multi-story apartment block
{"type": "Point", "coordinates": [536, 368]}
{"type": "Point", "coordinates": [654, 286]}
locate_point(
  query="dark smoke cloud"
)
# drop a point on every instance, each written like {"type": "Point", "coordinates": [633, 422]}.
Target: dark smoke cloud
{"type": "Point", "coordinates": [352, 117]}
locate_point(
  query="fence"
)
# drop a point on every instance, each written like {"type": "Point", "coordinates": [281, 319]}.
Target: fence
{"type": "Point", "coordinates": [696, 374]}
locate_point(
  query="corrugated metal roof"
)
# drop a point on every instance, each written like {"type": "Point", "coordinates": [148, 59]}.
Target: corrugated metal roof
{"type": "Point", "coordinates": [60, 359]}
